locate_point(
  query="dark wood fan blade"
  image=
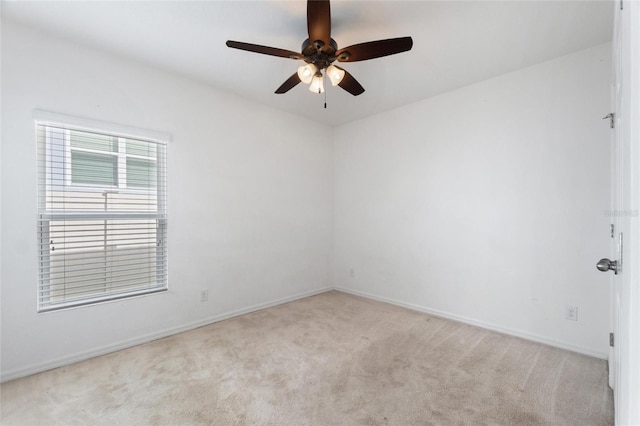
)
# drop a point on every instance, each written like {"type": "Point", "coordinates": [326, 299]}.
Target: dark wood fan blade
{"type": "Point", "coordinates": [374, 49]}
{"type": "Point", "coordinates": [319, 21]}
{"type": "Point", "coordinates": [289, 84]}
{"type": "Point", "coordinates": [265, 50]}
{"type": "Point", "coordinates": [350, 84]}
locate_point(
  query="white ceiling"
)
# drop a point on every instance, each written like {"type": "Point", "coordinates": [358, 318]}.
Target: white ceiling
{"type": "Point", "coordinates": [456, 43]}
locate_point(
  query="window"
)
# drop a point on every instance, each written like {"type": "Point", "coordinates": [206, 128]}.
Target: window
{"type": "Point", "coordinates": [102, 221]}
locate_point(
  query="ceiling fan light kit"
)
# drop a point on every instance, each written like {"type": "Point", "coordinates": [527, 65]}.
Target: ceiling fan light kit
{"type": "Point", "coordinates": [335, 74]}
{"type": "Point", "coordinates": [317, 84]}
{"type": "Point", "coordinates": [306, 73]}
{"type": "Point", "coordinates": [319, 51]}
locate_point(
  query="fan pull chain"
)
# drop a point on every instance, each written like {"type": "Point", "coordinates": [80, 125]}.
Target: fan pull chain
{"type": "Point", "coordinates": [324, 83]}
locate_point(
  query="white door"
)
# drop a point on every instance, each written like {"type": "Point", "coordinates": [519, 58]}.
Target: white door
{"type": "Point", "coordinates": [624, 357]}
{"type": "Point", "coordinates": [617, 211]}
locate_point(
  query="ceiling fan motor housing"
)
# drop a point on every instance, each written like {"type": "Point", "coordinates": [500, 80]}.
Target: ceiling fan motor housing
{"type": "Point", "coordinates": [318, 54]}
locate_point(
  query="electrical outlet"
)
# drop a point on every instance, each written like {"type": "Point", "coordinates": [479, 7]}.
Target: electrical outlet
{"type": "Point", "coordinates": [571, 313]}
{"type": "Point", "coordinates": [204, 295]}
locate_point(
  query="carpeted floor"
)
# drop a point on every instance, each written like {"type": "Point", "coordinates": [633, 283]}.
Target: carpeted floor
{"type": "Point", "coordinates": [331, 359]}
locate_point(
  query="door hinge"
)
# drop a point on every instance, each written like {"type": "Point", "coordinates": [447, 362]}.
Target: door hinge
{"type": "Point", "coordinates": [611, 339]}
{"type": "Point", "coordinates": [621, 5]}
{"type": "Point", "coordinates": [613, 231]}
{"type": "Point", "coordinates": [612, 119]}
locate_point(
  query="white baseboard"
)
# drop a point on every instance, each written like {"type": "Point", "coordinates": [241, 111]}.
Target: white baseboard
{"type": "Point", "coordinates": [81, 356]}
{"type": "Point", "coordinates": [481, 324]}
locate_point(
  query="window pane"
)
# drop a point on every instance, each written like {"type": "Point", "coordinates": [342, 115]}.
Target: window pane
{"type": "Point", "coordinates": [88, 260]}
{"type": "Point", "coordinates": [93, 141]}
{"type": "Point", "coordinates": [94, 169]}
{"type": "Point", "coordinates": [143, 149]}
{"type": "Point", "coordinates": [141, 173]}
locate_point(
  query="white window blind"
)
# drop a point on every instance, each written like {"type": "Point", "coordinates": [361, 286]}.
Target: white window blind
{"type": "Point", "coordinates": [102, 221]}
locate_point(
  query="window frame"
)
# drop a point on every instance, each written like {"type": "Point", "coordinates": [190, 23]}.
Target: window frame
{"type": "Point", "coordinates": [45, 217]}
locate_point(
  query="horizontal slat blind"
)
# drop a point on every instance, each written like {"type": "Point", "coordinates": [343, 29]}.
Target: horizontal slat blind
{"type": "Point", "coordinates": [102, 220]}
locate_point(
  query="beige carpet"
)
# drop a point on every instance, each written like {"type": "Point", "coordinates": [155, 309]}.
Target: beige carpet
{"type": "Point", "coordinates": [331, 359]}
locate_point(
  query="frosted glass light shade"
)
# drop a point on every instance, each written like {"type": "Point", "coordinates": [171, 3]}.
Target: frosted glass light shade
{"type": "Point", "coordinates": [335, 74]}
{"type": "Point", "coordinates": [317, 86]}
{"type": "Point", "coordinates": [306, 73]}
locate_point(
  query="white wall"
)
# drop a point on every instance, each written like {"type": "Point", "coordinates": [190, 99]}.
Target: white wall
{"type": "Point", "coordinates": [249, 199]}
{"type": "Point", "coordinates": [486, 204]}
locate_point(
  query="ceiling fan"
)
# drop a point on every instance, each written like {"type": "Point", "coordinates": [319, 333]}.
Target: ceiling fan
{"type": "Point", "coordinates": [320, 51]}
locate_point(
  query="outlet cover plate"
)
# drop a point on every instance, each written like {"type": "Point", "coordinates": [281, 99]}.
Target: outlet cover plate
{"type": "Point", "coordinates": [571, 313]}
